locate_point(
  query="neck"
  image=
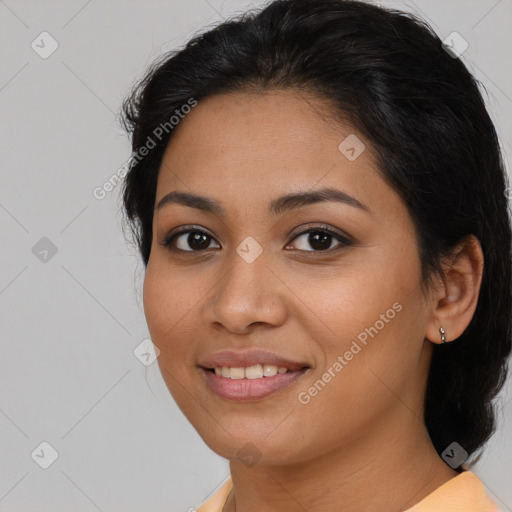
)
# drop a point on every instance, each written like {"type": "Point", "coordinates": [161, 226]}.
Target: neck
{"type": "Point", "coordinates": [390, 469]}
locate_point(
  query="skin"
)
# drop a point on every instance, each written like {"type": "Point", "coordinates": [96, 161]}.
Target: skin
{"type": "Point", "coordinates": [360, 444]}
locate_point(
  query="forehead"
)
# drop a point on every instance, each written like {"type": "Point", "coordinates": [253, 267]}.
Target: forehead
{"type": "Point", "coordinates": [256, 145]}
{"type": "Point", "coordinates": [274, 120]}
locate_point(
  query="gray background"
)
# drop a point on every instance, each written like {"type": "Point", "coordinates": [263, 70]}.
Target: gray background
{"type": "Point", "coordinates": [70, 324]}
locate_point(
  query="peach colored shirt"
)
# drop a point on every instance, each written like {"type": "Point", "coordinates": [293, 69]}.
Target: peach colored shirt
{"type": "Point", "coordinates": [463, 493]}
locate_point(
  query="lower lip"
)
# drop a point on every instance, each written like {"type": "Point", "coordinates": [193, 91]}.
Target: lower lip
{"type": "Point", "coordinates": [244, 390]}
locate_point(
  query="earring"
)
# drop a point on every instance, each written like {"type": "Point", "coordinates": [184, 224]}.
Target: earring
{"type": "Point", "coordinates": [443, 335]}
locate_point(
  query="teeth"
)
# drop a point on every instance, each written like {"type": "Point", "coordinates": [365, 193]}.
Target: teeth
{"type": "Point", "coordinates": [250, 372]}
{"type": "Point", "coordinates": [237, 373]}
{"type": "Point", "coordinates": [270, 369]}
{"type": "Point", "coordinates": [253, 372]}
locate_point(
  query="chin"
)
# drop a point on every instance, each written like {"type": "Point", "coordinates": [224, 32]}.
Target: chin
{"type": "Point", "coordinates": [251, 450]}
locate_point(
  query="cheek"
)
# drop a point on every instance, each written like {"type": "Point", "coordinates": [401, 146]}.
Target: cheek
{"type": "Point", "coordinates": [371, 296]}
{"type": "Point", "coordinates": [169, 297]}
{"type": "Point", "coordinates": [167, 306]}
{"type": "Point", "coordinates": [371, 316]}
{"type": "Point", "coordinates": [157, 302]}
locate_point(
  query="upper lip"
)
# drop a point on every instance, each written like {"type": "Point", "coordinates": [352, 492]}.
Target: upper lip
{"type": "Point", "coordinates": [244, 358]}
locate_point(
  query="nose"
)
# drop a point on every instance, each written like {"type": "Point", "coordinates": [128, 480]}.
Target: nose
{"type": "Point", "coordinates": [248, 295]}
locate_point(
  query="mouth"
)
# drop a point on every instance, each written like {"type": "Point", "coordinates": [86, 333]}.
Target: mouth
{"type": "Point", "coordinates": [251, 383]}
{"type": "Point", "coordinates": [251, 373]}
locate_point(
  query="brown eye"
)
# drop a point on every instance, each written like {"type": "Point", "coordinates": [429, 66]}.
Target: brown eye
{"type": "Point", "coordinates": [190, 241]}
{"type": "Point", "coordinates": [317, 240]}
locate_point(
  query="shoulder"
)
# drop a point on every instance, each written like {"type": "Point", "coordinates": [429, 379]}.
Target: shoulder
{"type": "Point", "coordinates": [463, 493]}
{"type": "Point", "coordinates": [217, 501]}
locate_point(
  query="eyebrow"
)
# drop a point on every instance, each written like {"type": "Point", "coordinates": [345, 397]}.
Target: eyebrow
{"type": "Point", "coordinates": [281, 204]}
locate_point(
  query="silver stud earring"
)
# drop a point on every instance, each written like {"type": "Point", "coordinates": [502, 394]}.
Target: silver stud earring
{"type": "Point", "coordinates": [443, 335]}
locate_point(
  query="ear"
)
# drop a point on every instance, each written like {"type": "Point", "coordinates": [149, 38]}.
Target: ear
{"type": "Point", "coordinates": [454, 298]}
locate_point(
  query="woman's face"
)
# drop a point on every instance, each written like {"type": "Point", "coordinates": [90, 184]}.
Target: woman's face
{"type": "Point", "coordinates": [247, 276]}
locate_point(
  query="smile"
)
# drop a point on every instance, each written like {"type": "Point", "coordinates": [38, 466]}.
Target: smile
{"type": "Point", "coordinates": [250, 383]}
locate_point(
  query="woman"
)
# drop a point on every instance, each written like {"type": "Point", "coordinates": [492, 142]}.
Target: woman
{"type": "Point", "coordinates": [318, 197]}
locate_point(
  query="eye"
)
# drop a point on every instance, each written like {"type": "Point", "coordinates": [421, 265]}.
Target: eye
{"type": "Point", "coordinates": [191, 240]}
{"type": "Point", "coordinates": [319, 239]}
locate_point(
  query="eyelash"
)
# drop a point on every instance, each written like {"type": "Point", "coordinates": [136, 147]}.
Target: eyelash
{"type": "Point", "coordinates": [344, 241]}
